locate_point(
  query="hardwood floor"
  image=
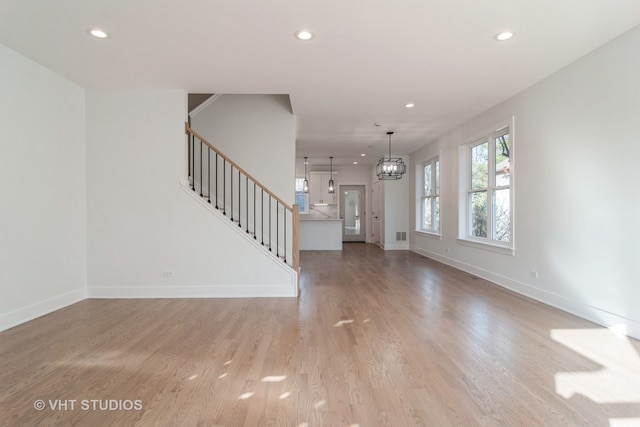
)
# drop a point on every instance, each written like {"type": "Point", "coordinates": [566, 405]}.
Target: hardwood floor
{"type": "Point", "coordinates": [376, 339]}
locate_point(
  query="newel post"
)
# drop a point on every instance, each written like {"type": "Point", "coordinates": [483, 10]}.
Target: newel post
{"type": "Point", "coordinates": [295, 241]}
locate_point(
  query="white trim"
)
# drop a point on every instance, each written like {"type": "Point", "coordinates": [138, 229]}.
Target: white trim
{"type": "Point", "coordinates": [561, 302]}
{"type": "Point", "coordinates": [41, 308]}
{"type": "Point", "coordinates": [488, 246]}
{"type": "Point", "coordinates": [205, 104]}
{"type": "Point", "coordinates": [484, 133]}
{"type": "Point", "coordinates": [225, 291]}
{"type": "Point", "coordinates": [396, 246]}
{"type": "Point", "coordinates": [430, 234]}
{"type": "Point", "coordinates": [464, 218]}
{"type": "Point", "coordinates": [420, 196]}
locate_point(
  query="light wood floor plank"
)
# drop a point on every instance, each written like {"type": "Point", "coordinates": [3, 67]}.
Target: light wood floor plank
{"type": "Point", "coordinates": [376, 339]}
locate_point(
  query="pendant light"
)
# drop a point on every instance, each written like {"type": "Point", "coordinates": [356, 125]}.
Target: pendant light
{"type": "Point", "coordinates": [391, 168]}
{"type": "Point", "coordinates": [305, 183]}
{"type": "Point", "coordinates": [332, 188]}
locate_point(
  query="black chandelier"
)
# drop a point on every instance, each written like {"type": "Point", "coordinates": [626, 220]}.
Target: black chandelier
{"type": "Point", "coordinates": [392, 167]}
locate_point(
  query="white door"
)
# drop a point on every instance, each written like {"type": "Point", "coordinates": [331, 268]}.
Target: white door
{"type": "Point", "coordinates": [352, 203]}
{"type": "Point", "coordinates": [376, 213]}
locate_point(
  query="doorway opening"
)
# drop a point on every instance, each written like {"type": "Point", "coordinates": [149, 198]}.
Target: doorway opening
{"type": "Point", "coordinates": [352, 212]}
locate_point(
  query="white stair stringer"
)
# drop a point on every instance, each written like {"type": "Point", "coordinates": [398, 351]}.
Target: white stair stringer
{"type": "Point", "coordinates": [241, 232]}
{"type": "Point", "coordinates": [205, 197]}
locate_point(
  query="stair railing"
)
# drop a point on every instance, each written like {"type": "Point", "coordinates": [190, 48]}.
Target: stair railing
{"type": "Point", "coordinates": [243, 199]}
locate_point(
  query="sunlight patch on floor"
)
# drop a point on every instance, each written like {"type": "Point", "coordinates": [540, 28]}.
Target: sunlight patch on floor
{"type": "Point", "coordinates": [101, 359]}
{"type": "Point", "coordinates": [624, 422]}
{"type": "Point", "coordinates": [618, 379]}
{"type": "Point", "coordinates": [620, 329]}
{"type": "Point", "coordinates": [343, 322]}
{"type": "Point", "coordinates": [319, 404]}
{"type": "Point", "coordinates": [273, 378]}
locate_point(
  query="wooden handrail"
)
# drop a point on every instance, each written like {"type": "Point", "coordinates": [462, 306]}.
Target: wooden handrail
{"type": "Point", "coordinates": [188, 130]}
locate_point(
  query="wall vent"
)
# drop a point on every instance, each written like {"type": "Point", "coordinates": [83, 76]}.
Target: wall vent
{"type": "Point", "coordinates": [401, 235]}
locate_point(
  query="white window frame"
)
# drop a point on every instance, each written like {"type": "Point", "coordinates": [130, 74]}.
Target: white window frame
{"type": "Point", "coordinates": [435, 193]}
{"type": "Point", "coordinates": [465, 215]}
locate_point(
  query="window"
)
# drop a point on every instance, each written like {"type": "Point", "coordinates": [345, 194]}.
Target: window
{"type": "Point", "coordinates": [301, 197]}
{"type": "Point", "coordinates": [429, 193]}
{"type": "Point", "coordinates": [488, 192]}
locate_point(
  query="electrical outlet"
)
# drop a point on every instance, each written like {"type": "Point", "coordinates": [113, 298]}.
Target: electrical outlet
{"type": "Point", "coordinates": [167, 274]}
{"type": "Point", "coordinates": [534, 274]}
{"type": "Point", "coordinates": [447, 250]}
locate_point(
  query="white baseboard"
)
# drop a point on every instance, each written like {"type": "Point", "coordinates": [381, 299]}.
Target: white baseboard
{"type": "Point", "coordinates": [403, 246]}
{"type": "Point", "coordinates": [40, 308]}
{"type": "Point", "coordinates": [193, 291]}
{"type": "Point", "coordinates": [587, 312]}
{"type": "Point", "coordinates": [289, 289]}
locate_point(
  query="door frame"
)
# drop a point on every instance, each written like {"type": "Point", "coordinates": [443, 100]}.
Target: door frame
{"type": "Point", "coordinates": [342, 188]}
{"type": "Point", "coordinates": [376, 214]}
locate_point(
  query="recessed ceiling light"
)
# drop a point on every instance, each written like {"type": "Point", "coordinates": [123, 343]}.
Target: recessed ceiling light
{"type": "Point", "coordinates": [355, 163]}
{"type": "Point", "coordinates": [505, 35]}
{"type": "Point", "coordinates": [99, 34]}
{"type": "Point", "coordinates": [363, 155]}
{"type": "Point", "coordinates": [410, 105]}
{"type": "Point", "coordinates": [303, 35]}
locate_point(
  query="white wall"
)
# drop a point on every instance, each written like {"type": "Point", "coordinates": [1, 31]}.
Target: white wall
{"type": "Point", "coordinates": [396, 217]}
{"type": "Point", "coordinates": [141, 223]}
{"type": "Point", "coordinates": [576, 176]}
{"type": "Point", "coordinates": [256, 131]}
{"type": "Point", "coordinates": [43, 188]}
{"type": "Point", "coordinates": [395, 198]}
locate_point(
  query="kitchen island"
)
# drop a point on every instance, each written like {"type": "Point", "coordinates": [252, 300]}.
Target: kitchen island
{"type": "Point", "coordinates": [320, 233]}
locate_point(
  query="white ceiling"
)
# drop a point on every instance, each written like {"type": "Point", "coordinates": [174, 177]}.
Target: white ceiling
{"type": "Point", "coordinates": [368, 58]}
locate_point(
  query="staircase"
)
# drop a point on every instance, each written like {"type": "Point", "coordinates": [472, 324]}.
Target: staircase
{"type": "Point", "coordinates": [243, 200]}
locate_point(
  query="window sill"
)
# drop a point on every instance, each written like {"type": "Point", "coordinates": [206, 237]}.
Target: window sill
{"type": "Point", "coordinates": [505, 250]}
{"type": "Point", "coordinates": [430, 234]}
